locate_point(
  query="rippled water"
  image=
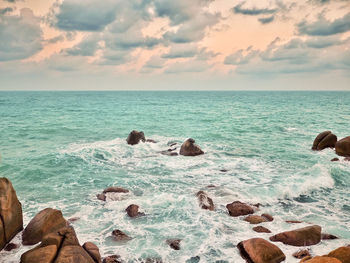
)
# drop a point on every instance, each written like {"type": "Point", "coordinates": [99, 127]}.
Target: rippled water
{"type": "Point", "coordinates": [62, 148]}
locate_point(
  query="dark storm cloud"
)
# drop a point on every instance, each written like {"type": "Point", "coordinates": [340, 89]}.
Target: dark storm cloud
{"type": "Point", "coordinates": [238, 9]}
{"type": "Point", "coordinates": [266, 20]}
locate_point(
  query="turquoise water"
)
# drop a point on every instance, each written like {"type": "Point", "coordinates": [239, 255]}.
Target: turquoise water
{"type": "Point", "coordinates": [62, 148]}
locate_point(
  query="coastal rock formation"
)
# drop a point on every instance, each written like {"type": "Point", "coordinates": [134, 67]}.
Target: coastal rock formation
{"type": "Point", "coordinates": [135, 137]}
{"type": "Point", "coordinates": [324, 140]}
{"type": "Point", "coordinates": [119, 235]}
{"type": "Point", "coordinates": [342, 147]}
{"type": "Point", "coordinates": [11, 218]}
{"type": "Point", "coordinates": [238, 208]}
{"type": "Point", "coordinates": [341, 253]}
{"type": "Point", "coordinates": [255, 219]}
{"type": "Point", "coordinates": [63, 247]}
{"type": "Point", "coordinates": [268, 217]}
{"type": "Point", "coordinates": [112, 259]}
{"type": "Point", "coordinates": [301, 253]}
{"type": "Point", "coordinates": [320, 260]}
{"type": "Point", "coordinates": [46, 221]}
{"type": "Point", "coordinates": [306, 236]}
{"type": "Point", "coordinates": [325, 236]}
{"type": "Point", "coordinates": [174, 243]}
{"type": "Point", "coordinates": [258, 250]}
{"type": "Point", "coordinates": [101, 197]}
{"type": "Point", "coordinates": [335, 159]}
{"type": "Point", "coordinates": [261, 229]}
{"type": "Point", "coordinates": [205, 202]}
{"type": "Point", "coordinates": [133, 211]}
{"type": "Point", "coordinates": [189, 148]}
{"type": "Point", "coordinates": [11, 246]}
{"type": "Point", "coordinates": [115, 189]}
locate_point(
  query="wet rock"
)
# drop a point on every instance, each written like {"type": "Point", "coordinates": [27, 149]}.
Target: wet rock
{"type": "Point", "coordinates": [321, 260]}
{"type": "Point", "coordinates": [135, 137]}
{"type": "Point", "coordinates": [342, 147]}
{"type": "Point", "coordinates": [255, 219]}
{"type": "Point", "coordinates": [261, 229]}
{"type": "Point", "coordinates": [258, 250]}
{"type": "Point", "coordinates": [46, 221]}
{"type": "Point", "coordinates": [238, 208]}
{"type": "Point", "coordinates": [195, 259]}
{"type": "Point", "coordinates": [73, 219]}
{"type": "Point", "coordinates": [189, 148]}
{"type": "Point", "coordinates": [112, 259]}
{"type": "Point", "coordinates": [257, 205]}
{"type": "Point", "coordinates": [306, 236]}
{"type": "Point", "coordinates": [205, 202]}
{"type": "Point", "coordinates": [305, 259]}
{"type": "Point", "coordinates": [115, 189]}
{"type": "Point", "coordinates": [294, 221]}
{"type": "Point", "coordinates": [223, 170]}
{"type": "Point", "coordinates": [93, 251]}
{"type": "Point", "coordinates": [133, 211]}
{"type": "Point", "coordinates": [119, 235]}
{"type": "Point", "coordinates": [169, 153]}
{"type": "Point", "coordinates": [341, 253]}
{"type": "Point", "coordinates": [101, 197]}
{"type": "Point", "coordinates": [174, 243]}
{"type": "Point", "coordinates": [324, 140]}
{"type": "Point", "coordinates": [172, 144]}
{"type": "Point", "coordinates": [211, 186]}
{"type": "Point", "coordinates": [11, 246]}
{"type": "Point", "coordinates": [347, 159]}
{"type": "Point", "coordinates": [325, 236]}
{"type": "Point", "coordinates": [335, 159]}
{"type": "Point", "coordinates": [10, 212]}
{"type": "Point", "coordinates": [151, 141]}
{"type": "Point", "coordinates": [301, 253]}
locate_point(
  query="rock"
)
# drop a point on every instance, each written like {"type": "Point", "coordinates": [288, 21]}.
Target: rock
{"type": "Point", "coordinates": [258, 250]}
{"type": "Point", "coordinates": [306, 236]}
{"type": "Point", "coordinates": [73, 219]}
{"type": "Point", "coordinates": [46, 221]}
{"type": "Point", "coordinates": [115, 189]}
{"type": "Point", "coordinates": [11, 246]}
{"type": "Point", "coordinates": [223, 170]}
{"type": "Point", "coordinates": [335, 159]}
{"type": "Point", "coordinates": [238, 208]}
{"type": "Point", "coordinates": [93, 251]}
{"type": "Point", "coordinates": [174, 243]}
{"type": "Point", "coordinates": [41, 254]}
{"type": "Point", "coordinates": [101, 197]}
{"type": "Point", "coordinates": [255, 219]}
{"type": "Point", "coordinates": [133, 211]}
{"type": "Point", "coordinates": [294, 221]}
{"type": "Point", "coordinates": [342, 147]}
{"type": "Point", "coordinates": [324, 140]}
{"type": "Point", "coordinates": [112, 259]}
{"type": "Point", "coordinates": [10, 212]}
{"type": "Point", "coordinates": [135, 137]}
{"type": "Point", "coordinates": [325, 236]}
{"type": "Point", "coordinates": [211, 186]}
{"type": "Point", "coordinates": [189, 148]}
{"type": "Point", "coordinates": [119, 235]}
{"type": "Point", "coordinates": [268, 217]}
{"type": "Point", "coordinates": [347, 159]}
{"type": "Point", "coordinates": [205, 202]}
{"type": "Point", "coordinates": [301, 253]}
{"type": "Point", "coordinates": [151, 141]}
{"type": "Point", "coordinates": [169, 153]}
{"type": "Point", "coordinates": [195, 259]}
{"type": "Point", "coordinates": [305, 259]}
{"type": "Point", "coordinates": [261, 229]}
{"type": "Point", "coordinates": [321, 260]}
{"type": "Point", "coordinates": [75, 254]}
{"type": "Point", "coordinates": [341, 253]}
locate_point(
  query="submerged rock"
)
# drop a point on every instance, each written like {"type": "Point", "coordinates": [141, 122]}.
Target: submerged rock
{"type": "Point", "coordinates": [325, 236]}
{"type": "Point", "coordinates": [205, 202]}
{"type": "Point", "coordinates": [238, 208]}
{"type": "Point", "coordinates": [119, 235]}
{"type": "Point", "coordinates": [189, 148]}
{"type": "Point", "coordinates": [261, 229]}
{"type": "Point", "coordinates": [324, 140]}
{"type": "Point", "coordinates": [10, 212]}
{"type": "Point", "coordinates": [306, 236]}
{"type": "Point", "coordinates": [341, 253]}
{"type": "Point", "coordinates": [258, 250]}
{"type": "Point", "coordinates": [174, 243]}
{"type": "Point", "coordinates": [133, 211]}
{"type": "Point", "coordinates": [342, 147]}
{"type": "Point", "coordinates": [135, 137]}
{"type": "Point", "coordinates": [112, 259]}
{"type": "Point", "coordinates": [335, 159]}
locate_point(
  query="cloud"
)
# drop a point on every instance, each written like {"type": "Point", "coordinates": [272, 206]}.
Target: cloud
{"type": "Point", "coordinates": [266, 20]}
{"type": "Point", "coordinates": [86, 47]}
{"type": "Point", "coordinates": [21, 36]}
{"type": "Point", "coordinates": [324, 27]}
{"type": "Point", "coordinates": [241, 56]}
{"type": "Point", "coordinates": [239, 9]}
{"type": "Point", "coordinates": [181, 51]}
{"type": "Point", "coordinates": [5, 10]}
{"type": "Point", "coordinates": [154, 62]}
{"type": "Point", "coordinates": [190, 66]}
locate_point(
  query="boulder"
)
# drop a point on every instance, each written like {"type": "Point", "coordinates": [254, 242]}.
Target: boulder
{"type": "Point", "coordinates": [341, 253]}
{"type": "Point", "coordinates": [46, 221]}
{"type": "Point", "coordinates": [325, 236]}
{"type": "Point", "coordinates": [301, 253]}
{"type": "Point", "coordinates": [255, 219]}
{"type": "Point", "coordinates": [261, 229]}
{"type": "Point", "coordinates": [11, 218]}
{"type": "Point", "coordinates": [101, 197]}
{"type": "Point", "coordinates": [115, 189]}
{"type": "Point", "coordinates": [324, 140]}
{"type": "Point", "coordinates": [93, 251]}
{"type": "Point", "coordinates": [189, 148]}
{"type": "Point", "coordinates": [119, 235]}
{"type": "Point", "coordinates": [258, 250]}
{"type": "Point", "coordinates": [205, 202]}
{"type": "Point", "coordinates": [174, 243]}
{"type": "Point", "coordinates": [342, 147]}
{"type": "Point", "coordinates": [335, 159]}
{"type": "Point", "coordinates": [133, 211]}
{"type": "Point", "coordinates": [321, 260]}
{"type": "Point", "coordinates": [135, 137]}
{"type": "Point", "coordinates": [238, 208]}
{"type": "Point", "coordinates": [306, 236]}
{"type": "Point", "coordinates": [268, 217]}
{"type": "Point", "coordinates": [112, 259]}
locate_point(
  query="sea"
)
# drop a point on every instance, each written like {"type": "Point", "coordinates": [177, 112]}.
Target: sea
{"type": "Point", "coordinates": [60, 149]}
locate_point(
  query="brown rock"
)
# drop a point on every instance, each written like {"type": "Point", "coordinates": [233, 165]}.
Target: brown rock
{"type": "Point", "coordinates": [325, 236]}
{"type": "Point", "coordinates": [151, 141]}
{"type": "Point", "coordinates": [238, 208]}
{"type": "Point", "coordinates": [205, 202]}
{"type": "Point", "coordinates": [301, 253]}
{"type": "Point", "coordinates": [293, 222]}
{"type": "Point", "coordinates": [324, 140]}
{"type": "Point", "coordinates": [174, 243]}
{"type": "Point", "coordinates": [11, 246]}
{"type": "Point", "coordinates": [255, 219]}
{"type": "Point", "coordinates": [133, 211]}
{"type": "Point", "coordinates": [189, 148]}
{"type": "Point", "coordinates": [76, 254]}
{"type": "Point", "coordinates": [101, 197]}
{"type": "Point", "coordinates": [261, 229]}
{"type": "Point", "coordinates": [306, 236]}
{"type": "Point", "coordinates": [342, 147]}
{"type": "Point", "coordinates": [335, 159]}
{"type": "Point", "coordinates": [40, 254]}
{"type": "Point", "coordinates": [46, 221]}
{"type": "Point", "coordinates": [268, 217]}
{"type": "Point", "coordinates": [258, 250]}
{"type": "Point", "coordinates": [93, 251]}
{"type": "Point", "coordinates": [119, 235]}
{"type": "Point", "coordinates": [341, 253]}
{"type": "Point", "coordinates": [321, 260]}
{"type": "Point", "coordinates": [135, 137]}
{"type": "Point", "coordinates": [115, 189]}
{"type": "Point", "coordinates": [169, 153]}
{"type": "Point", "coordinates": [11, 219]}
{"type": "Point", "coordinates": [305, 259]}
{"type": "Point", "coordinates": [347, 159]}
{"type": "Point", "coordinates": [112, 259]}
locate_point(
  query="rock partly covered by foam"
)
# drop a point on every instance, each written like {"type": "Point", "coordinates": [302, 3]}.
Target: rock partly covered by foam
{"type": "Point", "coordinates": [342, 147]}
{"type": "Point", "coordinates": [174, 243]}
{"type": "Point", "coordinates": [205, 202]}
{"type": "Point", "coordinates": [255, 219]}
{"type": "Point", "coordinates": [46, 221]}
{"type": "Point", "coordinates": [238, 208]}
{"type": "Point", "coordinates": [324, 140]}
{"type": "Point", "coordinates": [135, 137]}
{"type": "Point", "coordinates": [189, 148]}
{"type": "Point", "coordinates": [261, 229]}
{"type": "Point", "coordinates": [301, 253]}
{"type": "Point", "coordinates": [119, 235]}
{"type": "Point", "coordinates": [305, 236]}
{"type": "Point", "coordinates": [258, 250]}
{"type": "Point", "coordinates": [10, 212]}
{"type": "Point", "coordinates": [133, 211]}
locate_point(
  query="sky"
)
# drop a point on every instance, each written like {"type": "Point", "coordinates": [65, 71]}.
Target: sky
{"type": "Point", "coordinates": [175, 45]}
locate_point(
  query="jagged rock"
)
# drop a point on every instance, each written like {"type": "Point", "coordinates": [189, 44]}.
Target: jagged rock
{"type": "Point", "coordinates": [341, 253]}
{"type": "Point", "coordinates": [174, 243]}
{"type": "Point", "coordinates": [238, 208]}
{"type": "Point", "coordinates": [258, 250]}
{"type": "Point", "coordinates": [135, 137]}
{"type": "Point", "coordinates": [133, 211]}
{"type": "Point", "coordinates": [324, 140]}
{"type": "Point", "coordinates": [11, 218]}
{"type": "Point", "coordinates": [93, 251]}
{"type": "Point", "coordinates": [342, 147]}
{"type": "Point", "coordinates": [306, 236]}
{"type": "Point", "coordinates": [301, 253]}
{"type": "Point", "coordinates": [46, 221]}
{"type": "Point", "coordinates": [189, 148]}
{"type": "Point", "coordinates": [261, 229]}
{"type": "Point", "coordinates": [119, 235]}
{"type": "Point", "coordinates": [205, 202]}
